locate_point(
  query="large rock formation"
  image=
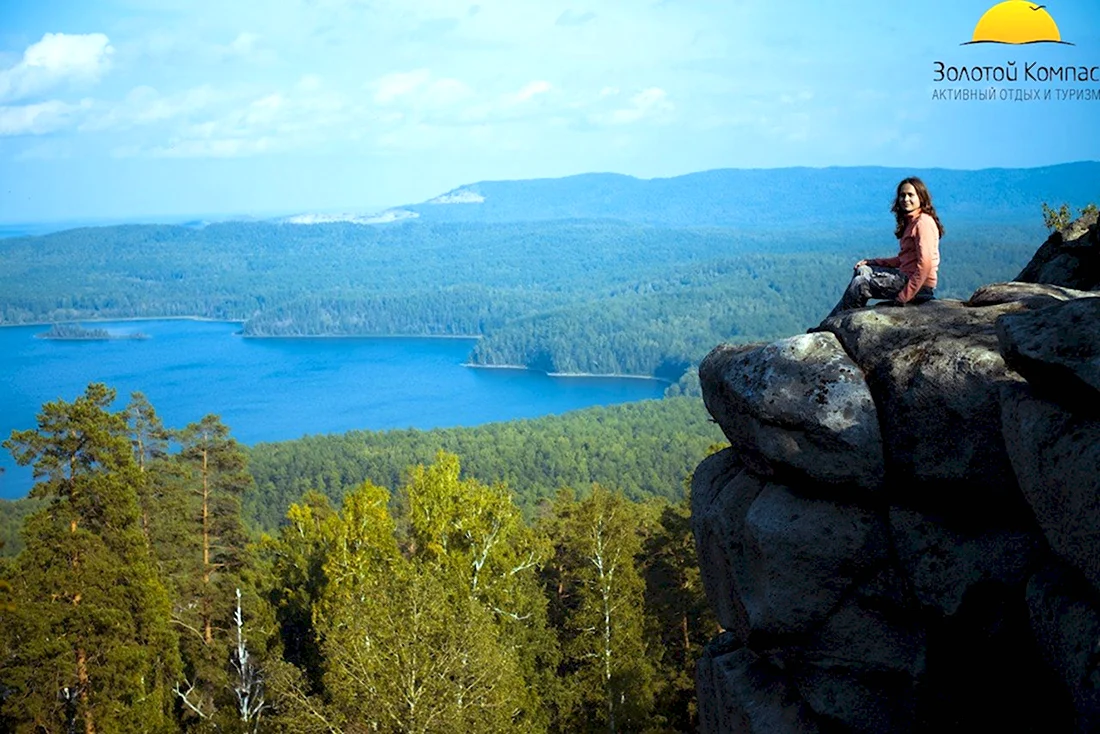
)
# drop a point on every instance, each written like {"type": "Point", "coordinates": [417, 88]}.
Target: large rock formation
{"type": "Point", "coordinates": [905, 532]}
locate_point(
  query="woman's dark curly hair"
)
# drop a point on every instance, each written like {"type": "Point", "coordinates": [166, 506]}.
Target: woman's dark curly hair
{"type": "Point", "coordinates": [925, 206]}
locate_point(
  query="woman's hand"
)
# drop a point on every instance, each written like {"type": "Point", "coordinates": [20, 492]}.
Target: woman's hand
{"type": "Point", "coordinates": [859, 265]}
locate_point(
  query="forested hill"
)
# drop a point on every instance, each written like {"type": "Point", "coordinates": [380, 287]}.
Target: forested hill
{"type": "Point", "coordinates": [766, 197]}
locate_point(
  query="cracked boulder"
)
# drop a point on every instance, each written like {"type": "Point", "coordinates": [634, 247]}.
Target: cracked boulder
{"type": "Point", "coordinates": [721, 493]}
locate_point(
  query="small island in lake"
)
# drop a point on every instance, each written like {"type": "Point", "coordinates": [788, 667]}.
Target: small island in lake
{"type": "Point", "coordinates": [76, 331]}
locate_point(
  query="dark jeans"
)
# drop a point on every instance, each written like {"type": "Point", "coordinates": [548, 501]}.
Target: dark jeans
{"type": "Point", "coordinates": [875, 281]}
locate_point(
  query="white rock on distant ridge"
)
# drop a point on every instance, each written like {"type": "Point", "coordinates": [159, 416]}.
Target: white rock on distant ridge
{"type": "Point", "coordinates": [459, 196]}
{"type": "Point", "coordinates": [390, 215]}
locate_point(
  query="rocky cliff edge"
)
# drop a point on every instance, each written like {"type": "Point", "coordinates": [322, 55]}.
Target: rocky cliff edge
{"type": "Point", "coordinates": [905, 532]}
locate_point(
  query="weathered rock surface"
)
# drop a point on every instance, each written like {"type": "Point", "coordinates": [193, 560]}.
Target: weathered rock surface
{"type": "Point", "coordinates": [1034, 295]}
{"type": "Point", "coordinates": [798, 408]}
{"type": "Point", "coordinates": [1057, 349]}
{"type": "Point", "coordinates": [721, 493]}
{"type": "Point", "coordinates": [1065, 616]}
{"type": "Point", "coordinates": [858, 703]}
{"type": "Point", "coordinates": [941, 573]}
{"type": "Point", "coordinates": [933, 371]}
{"type": "Point", "coordinates": [739, 691]}
{"type": "Point", "coordinates": [1069, 258]}
{"type": "Point", "coordinates": [801, 556]}
{"type": "Point", "coordinates": [1057, 460]}
{"type": "Point", "coordinates": [862, 639]}
{"type": "Point", "coordinates": [943, 563]}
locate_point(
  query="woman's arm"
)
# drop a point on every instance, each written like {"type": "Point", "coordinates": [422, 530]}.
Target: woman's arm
{"type": "Point", "coordinates": [884, 262]}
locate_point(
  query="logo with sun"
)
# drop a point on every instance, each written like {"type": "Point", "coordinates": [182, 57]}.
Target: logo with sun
{"type": "Point", "coordinates": [1017, 22]}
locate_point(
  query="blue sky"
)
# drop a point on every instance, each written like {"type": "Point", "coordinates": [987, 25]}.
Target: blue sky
{"type": "Point", "coordinates": [148, 109]}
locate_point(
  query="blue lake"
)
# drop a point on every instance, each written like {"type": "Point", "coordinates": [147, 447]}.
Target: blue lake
{"type": "Point", "coordinates": [280, 389]}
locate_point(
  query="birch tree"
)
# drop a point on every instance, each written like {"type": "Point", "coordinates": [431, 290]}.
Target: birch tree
{"type": "Point", "coordinates": [599, 601]}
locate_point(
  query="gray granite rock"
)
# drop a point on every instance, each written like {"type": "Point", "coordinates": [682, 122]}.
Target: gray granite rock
{"type": "Point", "coordinates": [1057, 349]}
{"type": "Point", "coordinates": [1057, 460]}
{"type": "Point", "coordinates": [740, 693]}
{"type": "Point", "coordinates": [721, 493]}
{"type": "Point", "coordinates": [802, 555]}
{"type": "Point", "coordinates": [1065, 616]}
{"type": "Point", "coordinates": [943, 563]}
{"type": "Point", "coordinates": [1069, 257]}
{"type": "Point", "coordinates": [796, 409]}
{"type": "Point", "coordinates": [1035, 295]}
{"type": "Point", "coordinates": [934, 372]}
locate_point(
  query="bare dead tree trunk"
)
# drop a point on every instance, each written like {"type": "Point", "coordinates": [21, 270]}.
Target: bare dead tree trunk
{"type": "Point", "coordinates": [250, 687]}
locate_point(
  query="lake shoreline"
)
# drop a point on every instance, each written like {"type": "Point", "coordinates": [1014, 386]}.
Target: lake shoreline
{"type": "Point", "coordinates": [207, 319]}
{"type": "Point", "coordinates": [112, 338]}
{"type": "Point", "coordinates": [565, 374]}
{"type": "Point", "coordinates": [360, 336]}
{"type": "Point", "coordinates": [122, 318]}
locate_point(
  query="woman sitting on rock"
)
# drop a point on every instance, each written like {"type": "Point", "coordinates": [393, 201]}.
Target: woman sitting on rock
{"type": "Point", "coordinates": [910, 277]}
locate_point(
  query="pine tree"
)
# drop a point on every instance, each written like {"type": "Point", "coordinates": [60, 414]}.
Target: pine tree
{"type": "Point", "coordinates": [89, 641]}
{"type": "Point", "coordinates": [206, 559]}
{"type": "Point", "coordinates": [678, 615]}
{"type": "Point", "coordinates": [162, 495]}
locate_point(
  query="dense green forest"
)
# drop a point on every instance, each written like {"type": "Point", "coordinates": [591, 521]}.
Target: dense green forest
{"type": "Point", "coordinates": [560, 296]}
{"type": "Point", "coordinates": [430, 603]}
{"type": "Point", "coordinates": [644, 449]}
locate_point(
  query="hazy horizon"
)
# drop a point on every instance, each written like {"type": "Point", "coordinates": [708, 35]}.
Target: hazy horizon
{"type": "Point", "coordinates": [223, 216]}
{"type": "Point", "coordinates": [138, 109]}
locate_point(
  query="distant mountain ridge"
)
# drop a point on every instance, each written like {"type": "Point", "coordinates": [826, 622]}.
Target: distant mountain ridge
{"type": "Point", "coordinates": [787, 197]}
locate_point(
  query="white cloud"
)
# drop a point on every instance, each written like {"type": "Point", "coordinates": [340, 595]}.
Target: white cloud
{"type": "Point", "coordinates": [652, 103]}
{"type": "Point", "coordinates": [56, 59]}
{"type": "Point", "coordinates": [215, 148]}
{"type": "Point", "coordinates": [244, 43]}
{"type": "Point", "coordinates": [309, 83]}
{"type": "Point", "coordinates": [304, 115]}
{"type": "Point", "coordinates": [145, 105]}
{"type": "Point", "coordinates": [40, 118]}
{"type": "Point", "coordinates": [245, 46]}
{"type": "Point", "coordinates": [399, 84]}
{"type": "Point", "coordinates": [420, 92]}
{"type": "Point", "coordinates": [531, 90]}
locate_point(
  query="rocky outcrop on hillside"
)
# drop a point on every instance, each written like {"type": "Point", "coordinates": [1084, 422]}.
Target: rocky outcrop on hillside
{"type": "Point", "coordinates": [904, 535]}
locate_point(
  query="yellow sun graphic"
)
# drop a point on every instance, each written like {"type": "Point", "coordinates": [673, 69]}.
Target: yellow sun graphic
{"type": "Point", "coordinates": [1017, 21]}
